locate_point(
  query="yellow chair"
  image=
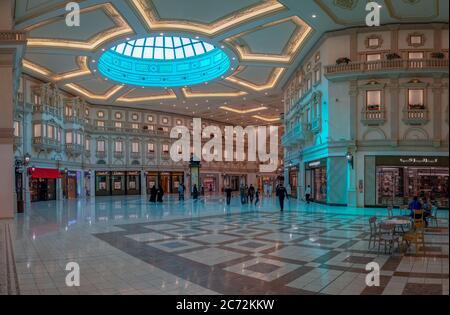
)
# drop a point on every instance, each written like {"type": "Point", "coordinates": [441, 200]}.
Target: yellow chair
{"type": "Point", "coordinates": [417, 233]}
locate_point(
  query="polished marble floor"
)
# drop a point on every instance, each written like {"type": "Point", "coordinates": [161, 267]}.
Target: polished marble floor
{"type": "Point", "coordinates": [125, 245]}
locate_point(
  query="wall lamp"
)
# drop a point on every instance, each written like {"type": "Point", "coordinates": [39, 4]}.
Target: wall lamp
{"type": "Point", "coordinates": [349, 157]}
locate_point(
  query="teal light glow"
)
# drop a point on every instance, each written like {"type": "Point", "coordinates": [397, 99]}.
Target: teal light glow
{"type": "Point", "coordinates": [163, 61]}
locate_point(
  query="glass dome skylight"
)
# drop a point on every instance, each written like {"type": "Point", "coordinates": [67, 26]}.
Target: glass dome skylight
{"type": "Point", "coordinates": [163, 61]}
{"type": "Point", "coordinates": [163, 48]}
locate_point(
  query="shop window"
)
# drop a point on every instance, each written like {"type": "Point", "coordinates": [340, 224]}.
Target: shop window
{"type": "Point", "coordinates": [69, 137]}
{"type": "Point", "coordinates": [16, 129]}
{"type": "Point", "coordinates": [118, 146]}
{"type": "Point", "coordinates": [416, 99]}
{"type": "Point", "coordinates": [373, 100]}
{"type": "Point", "coordinates": [135, 147]}
{"type": "Point", "coordinates": [150, 147]}
{"type": "Point", "coordinates": [373, 57]}
{"type": "Point", "coordinates": [37, 132]}
{"type": "Point", "coordinates": [415, 55]}
{"type": "Point", "coordinates": [100, 145]}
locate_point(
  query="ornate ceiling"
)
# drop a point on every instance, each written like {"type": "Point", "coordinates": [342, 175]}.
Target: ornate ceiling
{"type": "Point", "coordinates": [266, 39]}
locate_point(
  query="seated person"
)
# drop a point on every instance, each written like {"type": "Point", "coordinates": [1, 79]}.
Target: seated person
{"type": "Point", "coordinates": [414, 205]}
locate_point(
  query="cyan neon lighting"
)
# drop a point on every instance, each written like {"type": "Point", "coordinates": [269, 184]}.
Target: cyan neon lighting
{"type": "Point", "coordinates": [163, 61]}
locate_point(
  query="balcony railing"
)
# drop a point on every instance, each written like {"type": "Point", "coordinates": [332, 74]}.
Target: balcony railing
{"type": "Point", "coordinates": [386, 65]}
{"type": "Point", "coordinates": [415, 116]}
{"type": "Point", "coordinates": [46, 143]}
{"type": "Point", "coordinates": [150, 155]}
{"type": "Point", "coordinates": [74, 120]}
{"type": "Point", "coordinates": [373, 117]}
{"type": "Point", "coordinates": [118, 154]}
{"type": "Point", "coordinates": [295, 135]}
{"type": "Point", "coordinates": [55, 111]}
{"type": "Point", "coordinates": [74, 149]}
{"type": "Point", "coordinates": [135, 155]}
{"type": "Point", "coordinates": [100, 154]}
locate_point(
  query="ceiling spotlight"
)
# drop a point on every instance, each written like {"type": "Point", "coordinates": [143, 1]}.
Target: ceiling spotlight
{"type": "Point", "coordinates": [128, 38]}
{"type": "Point", "coordinates": [93, 60]}
{"type": "Point", "coordinates": [161, 34]}
{"type": "Point", "coordinates": [222, 46]}
{"type": "Point", "coordinates": [314, 16]}
{"type": "Point", "coordinates": [196, 37]}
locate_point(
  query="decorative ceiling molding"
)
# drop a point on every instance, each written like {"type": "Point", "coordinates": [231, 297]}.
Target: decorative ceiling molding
{"type": "Point", "coordinates": [122, 28]}
{"type": "Point", "coordinates": [430, 3]}
{"type": "Point", "coordinates": [267, 119]}
{"type": "Point", "coordinates": [111, 92]}
{"type": "Point", "coordinates": [188, 93]}
{"type": "Point", "coordinates": [290, 51]}
{"type": "Point", "coordinates": [54, 77]}
{"type": "Point", "coordinates": [243, 111]}
{"type": "Point", "coordinates": [271, 83]}
{"type": "Point", "coordinates": [169, 94]}
{"type": "Point", "coordinates": [152, 21]}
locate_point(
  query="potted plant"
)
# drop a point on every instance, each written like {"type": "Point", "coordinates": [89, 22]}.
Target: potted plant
{"type": "Point", "coordinates": [393, 56]}
{"type": "Point", "coordinates": [343, 60]}
{"type": "Point", "coordinates": [437, 55]}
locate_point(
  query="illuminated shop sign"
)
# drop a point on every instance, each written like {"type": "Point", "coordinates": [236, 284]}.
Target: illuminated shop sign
{"type": "Point", "coordinates": [412, 161]}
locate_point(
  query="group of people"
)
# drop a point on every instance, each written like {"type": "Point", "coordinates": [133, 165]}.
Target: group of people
{"type": "Point", "coordinates": [156, 194]}
{"type": "Point", "coordinates": [248, 194]}
{"type": "Point", "coordinates": [425, 205]}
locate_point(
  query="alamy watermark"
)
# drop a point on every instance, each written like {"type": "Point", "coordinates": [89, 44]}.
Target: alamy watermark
{"type": "Point", "coordinates": [257, 142]}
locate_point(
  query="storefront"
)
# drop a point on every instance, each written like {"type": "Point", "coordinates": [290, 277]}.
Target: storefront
{"type": "Point", "coordinates": [43, 184]}
{"type": "Point", "coordinates": [293, 181]}
{"type": "Point", "coordinates": [118, 183]}
{"type": "Point", "coordinates": [102, 184]}
{"type": "Point", "coordinates": [169, 181]}
{"type": "Point", "coordinates": [164, 181]}
{"type": "Point", "coordinates": [398, 179]}
{"type": "Point", "coordinates": [316, 177]}
{"type": "Point", "coordinates": [210, 182]}
{"type": "Point", "coordinates": [176, 180]}
{"type": "Point", "coordinates": [69, 184]}
{"type": "Point", "coordinates": [234, 181]}
{"type": "Point", "coordinates": [134, 183]}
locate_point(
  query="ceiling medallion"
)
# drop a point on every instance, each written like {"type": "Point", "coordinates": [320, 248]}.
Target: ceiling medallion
{"type": "Point", "coordinates": [346, 4]}
{"type": "Point", "coordinates": [163, 61]}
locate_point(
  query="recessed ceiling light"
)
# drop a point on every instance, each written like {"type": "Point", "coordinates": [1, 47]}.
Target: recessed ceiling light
{"type": "Point", "coordinates": [222, 46]}
{"type": "Point", "coordinates": [161, 34]}
{"type": "Point", "coordinates": [314, 16]}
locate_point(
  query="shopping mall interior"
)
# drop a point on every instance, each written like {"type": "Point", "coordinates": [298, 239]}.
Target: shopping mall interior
{"type": "Point", "coordinates": [211, 147]}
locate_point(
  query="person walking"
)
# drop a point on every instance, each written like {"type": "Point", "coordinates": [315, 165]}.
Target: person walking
{"type": "Point", "coordinates": [153, 192]}
{"type": "Point", "coordinates": [257, 196]}
{"type": "Point", "coordinates": [282, 193]}
{"type": "Point", "coordinates": [242, 194]}
{"type": "Point", "coordinates": [195, 192]}
{"type": "Point", "coordinates": [160, 194]}
{"type": "Point", "coordinates": [308, 193]}
{"type": "Point", "coordinates": [251, 193]}
{"type": "Point", "coordinates": [228, 192]}
{"type": "Point", "coordinates": [181, 192]}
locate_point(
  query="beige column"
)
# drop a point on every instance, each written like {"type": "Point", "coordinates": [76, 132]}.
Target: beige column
{"type": "Point", "coordinates": [394, 109]}
{"type": "Point", "coordinates": [437, 110]}
{"type": "Point", "coordinates": [7, 207]}
{"type": "Point", "coordinates": [353, 109]}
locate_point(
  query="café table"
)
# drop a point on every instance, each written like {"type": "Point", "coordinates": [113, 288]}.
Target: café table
{"type": "Point", "coordinates": [398, 222]}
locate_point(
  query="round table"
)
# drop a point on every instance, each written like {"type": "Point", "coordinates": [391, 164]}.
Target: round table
{"type": "Point", "coordinates": [397, 222]}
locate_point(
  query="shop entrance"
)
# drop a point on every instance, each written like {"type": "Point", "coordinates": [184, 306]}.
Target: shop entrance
{"type": "Point", "coordinates": [316, 177]}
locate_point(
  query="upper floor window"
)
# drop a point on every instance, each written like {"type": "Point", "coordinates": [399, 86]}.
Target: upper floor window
{"type": "Point", "coordinates": [415, 55]}
{"type": "Point", "coordinates": [179, 122]}
{"type": "Point", "coordinates": [373, 100]}
{"type": "Point", "coordinates": [37, 99]}
{"type": "Point", "coordinates": [100, 114]}
{"type": "Point", "coordinates": [317, 75]}
{"type": "Point", "coordinates": [308, 84]}
{"type": "Point", "coordinates": [165, 148]}
{"type": "Point", "coordinates": [135, 117]}
{"type": "Point", "coordinates": [69, 111]}
{"type": "Point", "coordinates": [79, 140]}
{"type": "Point", "coordinates": [118, 146]}
{"type": "Point", "coordinates": [135, 126]}
{"type": "Point", "coordinates": [100, 123]}
{"type": "Point", "coordinates": [416, 99]}
{"type": "Point", "coordinates": [118, 115]}
{"type": "Point", "coordinates": [101, 145]}
{"type": "Point", "coordinates": [16, 129]}
{"type": "Point", "coordinates": [87, 144]}
{"type": "Point", "coordinates": [373, 57]}
{"type": "Point", "coordinates": [69, 137]}
{"type": "Point", "coordinates": [135, 147]}
{"type": "Point", "coordinates": [150, 147]}
{"type": "Point", "coordinates": [150, 118]}
{"type": "Point", "coordinates": [165, 120]}
{"type": "Point", "coordinates": [51, 132]}
{"type": "Point", "coordinates": [118, 124]}
{"type": "Point", "coordinates": [37, 130]}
